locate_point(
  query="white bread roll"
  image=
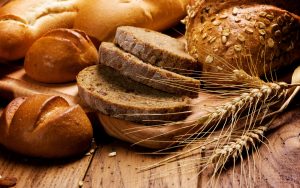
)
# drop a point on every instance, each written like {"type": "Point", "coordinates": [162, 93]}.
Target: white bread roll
{"type": "Point", "coordinates": [22, 22]}
{"type": "Point", "coordinates": [100, 18]}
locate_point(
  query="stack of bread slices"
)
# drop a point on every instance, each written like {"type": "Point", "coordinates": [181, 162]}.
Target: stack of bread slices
{"type": "Point", "coordinates": [144, 76]}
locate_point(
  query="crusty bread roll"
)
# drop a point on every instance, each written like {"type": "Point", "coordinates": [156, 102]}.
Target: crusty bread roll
{"type": "Point", "coordinates": [100, 18]}
{"type": "Point", "coordinates": [223, 36]}
{"type": "Point", "coordinates": [45, 126]}
{"type": "Point", "coordinates": [22, 22]}
{"type": "Point", "coordinates": [59, 55]}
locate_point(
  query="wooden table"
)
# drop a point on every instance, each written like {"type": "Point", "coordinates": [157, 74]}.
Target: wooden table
{"type": "Point", "coordinates": [279, 166]}
{"type": "Point", "coordinates": [277, 162]}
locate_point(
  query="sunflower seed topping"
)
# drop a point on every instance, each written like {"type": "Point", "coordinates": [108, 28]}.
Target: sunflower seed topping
{"type": "Point", "coordinates": [216, 23]}
{"type": "Point", "coordinates": [237, 47]}
{"type": "Point", "coordinates": [235, 11]}
{"type": "Point", "coordinates": [270, 43]}
{"type": "Point", "coordinates": [249, 30]}
{"type": "Point", "coordinates": [226, 32]}
{"type": "Point", "coordinates": [262, 32]}
{"type": "Point", "coordinates": [261, 25]}
{"type": "Point", "coordinates": [224, 16]}
{"type": "Point", "coordinates": [262, 14]}
{"type": "Point", "coordinates": [209, 59]}
{"type": "Point", "coordinates": [270, 16]}
{"type": "Point", "coordinates": [224, 39]}
{"type": "Point", "coordinates": [241, 38]}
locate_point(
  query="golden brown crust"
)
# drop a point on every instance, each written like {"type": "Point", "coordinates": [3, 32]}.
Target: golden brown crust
{"type": "Point", "coordinates": [45, 126]}
{"type": "Point", "coordinates": [268, 33]}
{"type": "Point", "coordinates": [100, 18]}
{"type": "Point", "coordinates": [59, 55]}
{"type": "Point", "coordinates": [22, 22]}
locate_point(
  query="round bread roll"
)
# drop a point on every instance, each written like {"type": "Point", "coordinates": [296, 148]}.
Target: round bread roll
{"type": "Point", "coordinates": [100, 18]}
{"type": "Point", "coordinates": [59, 55]}
{"type": "Point", "coordinates": [256, 38]}
{"type": "Point", "coordinates": [45, 126]}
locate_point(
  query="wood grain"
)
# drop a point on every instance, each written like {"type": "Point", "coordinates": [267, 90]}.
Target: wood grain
{"type": "Point", "coordinates": [122, 170]}
{"type": "Point", "coordinates": [43, 173]}
{"type": "Point", "coordinates": [274, 165]}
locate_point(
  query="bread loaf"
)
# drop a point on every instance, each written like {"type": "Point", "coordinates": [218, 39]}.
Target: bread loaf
{"type": "Point", "coordinates": [157, 49]}
{"type": "Point", "coordinates": [107, 91]}
{"type": "Point", "coordinates": [59, 55]}
{"type": "Point", "coordinates": [22, 22]}
{"type": "Point", "coordinates": [45, 126]}
{"type": "Point", "coordinates": [100, 18]}
{"type": "Point", "coordinates": [142, 72]}
{"type": "Point", "coordinates": [250, 35]}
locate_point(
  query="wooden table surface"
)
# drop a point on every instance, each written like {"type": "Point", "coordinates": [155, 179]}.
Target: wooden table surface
{"type": "Point", "coordinates": [279, 165]}
{"type": "Point", "coordinates": [275, 165]}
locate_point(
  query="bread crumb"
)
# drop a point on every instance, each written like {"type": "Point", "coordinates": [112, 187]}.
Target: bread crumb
{"type": "Point", "coordinates": [112, 154]}
{"type": "Point", "coordinates": [80, 183]}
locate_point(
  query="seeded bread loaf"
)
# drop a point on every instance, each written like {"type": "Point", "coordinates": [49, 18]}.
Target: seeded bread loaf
{"type": "Point", "coordinates": [156, 49]}
{"type": "Point", "coordinates": [105, 90]}
{"type": "Point", "coordinates": [59, 55]}
{"type": "Point", "coordinates": [132, 67]}
{"type": "Point", "coordinates": [222, 36]}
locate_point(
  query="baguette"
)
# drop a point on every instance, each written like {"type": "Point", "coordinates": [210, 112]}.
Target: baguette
{"type": "Point", "coordinates": [59, 55]}
{"type": "Point", "coordinates": [100, 18]}
{"type": "Point", "coordinates": [45, 126]}
{"type": "Point", "coordinates": [231, 31]}
{"type": "Point", "coordinates": [156, 77]}
{"type": "Point", "coordinates": [22, 22]}
{"type": "Point", "coordinates": [105, 90]}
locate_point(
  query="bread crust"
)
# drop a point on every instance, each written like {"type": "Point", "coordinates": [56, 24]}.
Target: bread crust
{"type": "Point", "coordinates": [157, 49]}
{"type": "Point", "coordinates": [105, 90]}
{"type": "Point", "coordinates": [22, 22]}
{"type": "Point", "coordinates": [100, 18]}
{"type": "Point", "coordinates": [45, 126]}
{"type": "Point", "coordinates": [230, 32]}
{"type": "Point", "coordinates": [159, 78]}
{"type": "Point", "coordinates": [59, 55]}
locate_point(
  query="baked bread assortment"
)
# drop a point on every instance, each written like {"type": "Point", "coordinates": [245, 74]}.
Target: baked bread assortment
{"type": "Point", "coordinates": [45, 126]}
{"type": "Point", "coordinates": [59, 55]}
{"type": "Point", "coordinates": [22, 22]}
{"type": "Point", "coordinates": [234, 29]}
{"type": "Point", "coordinates": [107, 91]}
{"type": "Point", "coordinates": [100, 18]}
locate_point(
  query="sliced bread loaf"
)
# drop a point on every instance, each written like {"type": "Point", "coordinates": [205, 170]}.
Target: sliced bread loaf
{"type": "Point", "coordinates": [132, 67]}
{"type": "Point", "coordinates": [107, 91]}
{"type": "Point", "coordinates": [156, 48]}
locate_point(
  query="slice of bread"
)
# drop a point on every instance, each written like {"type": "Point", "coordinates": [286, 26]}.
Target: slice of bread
{"type": "Point", "coordinates": [157, 49]}
{"type": "Point", "coordinates": [132, 67]}
{"type": "Point", "coordinates": [107, 91]}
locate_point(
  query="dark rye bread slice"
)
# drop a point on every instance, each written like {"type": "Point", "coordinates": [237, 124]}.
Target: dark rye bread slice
{"type": "Point", "coordinates": [132, 67]}
{"type": "Point", "coordinates": [105, 90]}
{"type": "Point", "coordinates": [157, 49]}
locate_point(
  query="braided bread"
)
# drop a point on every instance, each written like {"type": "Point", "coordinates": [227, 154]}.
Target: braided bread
{"type": "Point", "coordinates": [230, 31]}
{"type": "Point", "coordinates": [45, 126]}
